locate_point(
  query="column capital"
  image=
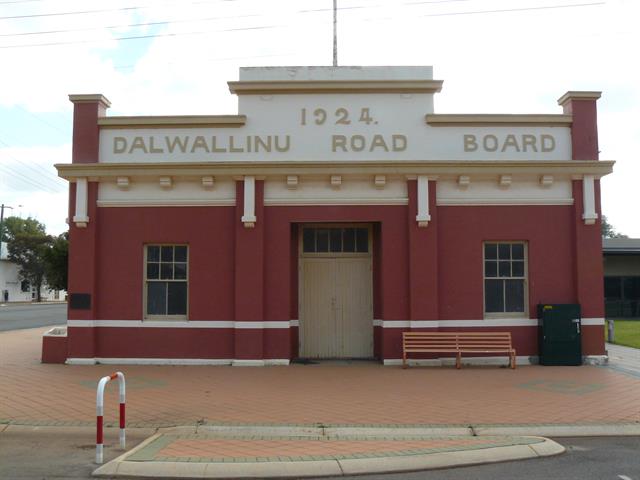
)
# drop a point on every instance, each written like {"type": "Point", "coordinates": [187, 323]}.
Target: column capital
{"type": "Point", "coordinates": [90, 98]}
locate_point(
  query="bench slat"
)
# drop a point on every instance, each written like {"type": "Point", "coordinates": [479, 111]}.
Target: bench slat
{"type": "Point", "coordinates": [457, 342]}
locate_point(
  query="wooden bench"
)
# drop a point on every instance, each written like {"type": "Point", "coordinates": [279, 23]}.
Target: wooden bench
{"type": "Point", "coordinates": [458, 343]}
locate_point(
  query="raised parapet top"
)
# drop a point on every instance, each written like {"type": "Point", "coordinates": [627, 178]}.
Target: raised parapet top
{"type": "Point", "coordinates": [252, 74]}
{"type": "Point", "coordinates": [90, 98]}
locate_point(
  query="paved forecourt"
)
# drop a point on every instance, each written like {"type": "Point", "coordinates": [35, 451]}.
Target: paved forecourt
{"type": "Point", "coordinates": [359, 393]}
{"type": "Point", "coordinates": [317, 419]}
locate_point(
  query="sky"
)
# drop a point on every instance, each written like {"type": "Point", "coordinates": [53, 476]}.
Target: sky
{"type": "Point", "coordinates": [172, 57]}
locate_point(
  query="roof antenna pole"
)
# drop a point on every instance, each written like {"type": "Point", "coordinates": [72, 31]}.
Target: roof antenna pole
{"type": "Point", "coordinates": [335, 33]}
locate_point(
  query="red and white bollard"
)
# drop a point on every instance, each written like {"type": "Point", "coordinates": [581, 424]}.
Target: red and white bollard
{"type": "Point", "coordinates": [100, 413]}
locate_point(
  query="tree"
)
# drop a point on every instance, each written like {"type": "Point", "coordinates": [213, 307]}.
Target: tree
{"type": "Point", "coordinates": [28, 243]}
{"type": "Point", "coordinates": [608, 231]}
{"type": "Point", "coordinates": [56, 262]}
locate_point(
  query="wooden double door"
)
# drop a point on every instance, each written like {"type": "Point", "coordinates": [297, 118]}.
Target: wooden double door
{"type": "Point", "coordinates": [335, 292]}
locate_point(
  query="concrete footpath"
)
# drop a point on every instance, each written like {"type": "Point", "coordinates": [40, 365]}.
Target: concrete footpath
{"type": "Point", "coordinates": [333, 418]}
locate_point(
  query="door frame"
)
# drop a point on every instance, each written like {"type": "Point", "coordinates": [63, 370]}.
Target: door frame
{"type": "Point", "coordinates": [301, 256]}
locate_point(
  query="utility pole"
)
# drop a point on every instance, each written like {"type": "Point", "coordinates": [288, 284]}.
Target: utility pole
{"type": "Point", "coordinates": [2, 207]}
{"type": "Point", "coordinates": [335, 33]}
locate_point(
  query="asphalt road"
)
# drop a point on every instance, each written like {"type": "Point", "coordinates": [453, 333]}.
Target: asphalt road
{"type": "Point", "coordinates": [21, 316]}
{"type": "Point", "coordinates": [587, 458]}
{"type": "Point", "coordinates": [56, 453]}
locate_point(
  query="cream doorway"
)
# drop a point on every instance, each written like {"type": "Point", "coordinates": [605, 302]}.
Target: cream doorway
{"type": "Point", "coordinates": [336, 305]}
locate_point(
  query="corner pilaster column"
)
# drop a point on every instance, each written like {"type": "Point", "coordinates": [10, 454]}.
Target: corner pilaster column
{"type": "Point", "coordinates": [423, 251]}
{"type": "Point", "coordinates": [83, 217]}
{"type": "Point", "coordinates": [249, 272]}
{"type": "Point", "coordinates": [587, 217]}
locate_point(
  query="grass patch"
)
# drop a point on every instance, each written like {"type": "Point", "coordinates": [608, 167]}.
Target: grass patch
{"type": "Point", "coordinates": [627, 333]}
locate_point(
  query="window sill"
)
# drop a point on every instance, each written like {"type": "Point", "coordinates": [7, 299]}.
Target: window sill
{"type": "Point", "coordinates": [506, 315]}
{"type": "Point", "coordinates": [169, 318]}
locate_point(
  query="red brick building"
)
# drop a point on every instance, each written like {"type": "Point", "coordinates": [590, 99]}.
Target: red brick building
{"type": "Point", "coordinates": [334, 212]}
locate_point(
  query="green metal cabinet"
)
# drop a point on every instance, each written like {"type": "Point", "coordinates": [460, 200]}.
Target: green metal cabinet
{"type": "Point", "coordinates": [560, 337]}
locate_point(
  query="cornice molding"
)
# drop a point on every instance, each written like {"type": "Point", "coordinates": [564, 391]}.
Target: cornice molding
{"type": "Point", "coordinates": [334, 86]}
{"type": "Point", "coordinates": [579, 95]}
{"type": "Point", "coordinates": [539, 120]}
{"type": "Point", "coordinates": [98, 171]}
{"type": "Point", "coordinates": [90, 98]}
{"type": "Point", "coordinates": [187, 121]}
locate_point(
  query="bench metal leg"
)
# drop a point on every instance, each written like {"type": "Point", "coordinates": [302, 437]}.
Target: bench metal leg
{"type": "Point", "coordinates": [458, 361]}
{"type": "Point", "coordinates": [404, 360]}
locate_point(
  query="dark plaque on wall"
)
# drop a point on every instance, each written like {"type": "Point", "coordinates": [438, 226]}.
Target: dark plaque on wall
{"type": "Point", "coordinates": [80, 301]}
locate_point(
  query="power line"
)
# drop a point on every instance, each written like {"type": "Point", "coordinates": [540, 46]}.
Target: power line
{"type": "Point", "coordinates": [139, 37]}
{"type": "Point", "coordinates": [105, 10]}
{"type": "Point", "coordinates": [20, 1]}
{"type": "Point", "coordinates": [523, 9]}
{"type": "Point", "coordinates": [215, 59]}
{"type": "Point", "coordinates": [132, 25]}
{"type": "Point", "coordinates": [13, 174]}
{"type": "Point", "coordinates": [39, 173]}
{"type": "Point", "coordinates": [42, 120]}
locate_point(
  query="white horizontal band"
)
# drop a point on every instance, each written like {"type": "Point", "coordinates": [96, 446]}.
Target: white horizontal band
{"type": "Point", "coordinates": [304, 202]}
{"type": "Point", "coordinates": [177, 361]}
{"type": "Point", "coordinates": [489, 322]}
{"type": "Point", "coordinates": [487, 202]}
{"type": "Point", "coordinates": [224, 202]}
{"type": "Point", "coordinates": [503, 360]}
{"type": "Point", "coordinates": [179, 324]}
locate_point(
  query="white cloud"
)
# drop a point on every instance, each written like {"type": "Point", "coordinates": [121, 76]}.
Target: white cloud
{"type": "Point", "coordinates": [509, 62]}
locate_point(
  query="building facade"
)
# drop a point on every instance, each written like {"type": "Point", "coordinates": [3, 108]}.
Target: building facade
{"type": "Point", "coordinates": [621, 277]}
{"type": "Point", "coordinates": [333, 212]}
{"type": "Point", "coordinates": [15, 289]}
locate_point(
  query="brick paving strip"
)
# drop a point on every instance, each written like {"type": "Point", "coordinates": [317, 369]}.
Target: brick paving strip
{"type": "Point", "coordinates": [186, 452]}
{"type": "Point", "coordinates": [212, 449]}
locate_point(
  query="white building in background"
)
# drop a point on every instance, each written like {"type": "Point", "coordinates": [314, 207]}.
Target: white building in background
{"type": "Point", "coordinates": [14, 289]}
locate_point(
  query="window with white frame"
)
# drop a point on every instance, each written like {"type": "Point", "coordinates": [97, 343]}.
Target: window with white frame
{"type": "Point", "coordinates": [505, 278]}
{"type": "Point", "coordinates": [166, 281]}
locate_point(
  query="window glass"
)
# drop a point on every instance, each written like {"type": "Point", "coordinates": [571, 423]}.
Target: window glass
{"type": "Point", "coordinates": [157, 298]}
{"type": "Point", "coordinates": [362, 240]}
{"type": "Point", "coordinates": [166, 280]}
{"type": "Point", "coordinates": [177, 298]}
{"type": "Point", "coordinates": [166, 271]}
{"type": "Point", "coordinates": [517, 251]}
{"type": "Point", "coordinates": [335, 240]}
{"type": "Point", "coordinates": [631, 288]}
{"type": "Point", "coordinates": [491, 251]}
{"type": "Point", "coordinates": [153, 271]}
{"type": "Point", "coordinates": [494, 297]}
{"type": "Point", "coordinates": [166, 254]}
{"type": "Point", "coordinates": [504, 277]}
{"type": "Point", "coordinates": [517, 269]}
{"type": "Point", "coordinates": [490, 269]}
{"type": "Point", "coordinates": [349, 240]}
{"type": "Point", "coordinates": [514, 295]}
{"type": "Point", "coordinates": [153, 253]}
{"type": "Point", "coordinates": [308, 240]}
{"type": "Point", "coordinates": [612, 287]}
{"type": "Point", "coordinates": [322, 240]}
{"type": "Point", "coordinates": [180, 271]}
{"type": "Point", "coordinates": [180, 253]}
{"type": "Point", "coordinates": [504, 269]}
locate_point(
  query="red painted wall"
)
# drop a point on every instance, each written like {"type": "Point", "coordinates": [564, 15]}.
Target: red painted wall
{"type": "Point", "coordinates": [216, 343]}
{"type": "Point", "coordinates": [462, 231]}
{"type": "Point", "coordinates": [123, 232]}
